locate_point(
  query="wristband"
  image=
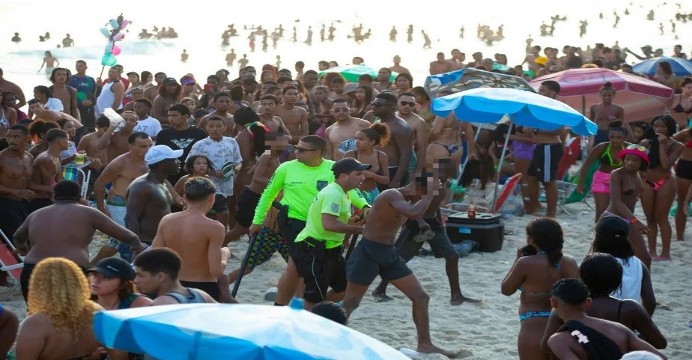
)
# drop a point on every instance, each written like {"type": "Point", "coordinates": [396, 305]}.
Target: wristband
{"type": "Point", "coordinates": [633, 220]}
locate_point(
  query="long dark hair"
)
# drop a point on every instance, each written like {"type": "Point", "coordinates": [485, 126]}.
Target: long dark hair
{"type": "Point", "coordinates": [248, 118]}
{"type": "Point", "coordinates": [654, 151]}
{"type": "Point", "coordinates": [601, 273]}
{"type": "Point", "coordinates": [547, 235]}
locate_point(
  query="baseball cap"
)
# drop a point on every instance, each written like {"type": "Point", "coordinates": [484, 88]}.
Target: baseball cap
{"type": "Point", "coordinates": [350, 87]}
{"type": "Point", "coordinates": [169, 80]}
{"type": "Point", "coordinates": [609, 227]}
{"type": "Point", "coordinates": [347, 165]}
{"type": "Point", "coordinates": [114, 267]}
{"type": "Point", "coordinates": [188, 81]}
{"type": "Point", "coordinates": [159, 153]}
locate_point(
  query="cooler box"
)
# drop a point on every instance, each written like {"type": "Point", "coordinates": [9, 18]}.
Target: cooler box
{"type": "Point", "coordinates": [487, 230]}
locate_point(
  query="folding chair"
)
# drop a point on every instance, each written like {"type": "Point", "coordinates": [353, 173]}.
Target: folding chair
{"type": "Point", "coordinates": [508, 188]}
{"type": "Point", "coordinates": [10, 262]}
{"type": "Point", "coordinates": [79, 176]}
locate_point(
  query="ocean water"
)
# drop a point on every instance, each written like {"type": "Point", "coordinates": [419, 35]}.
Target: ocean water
{"type": "Point", "coordinates": [200, 26]}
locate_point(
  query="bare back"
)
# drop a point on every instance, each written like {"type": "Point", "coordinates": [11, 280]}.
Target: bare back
{"type": "Point", "coordinates": [49, 343]}
{"type": "Point", "coordinates": [198, 241]}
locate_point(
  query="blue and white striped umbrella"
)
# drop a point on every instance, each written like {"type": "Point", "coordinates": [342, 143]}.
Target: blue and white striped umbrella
{"type": "Point", "coordinates": [681, 67]}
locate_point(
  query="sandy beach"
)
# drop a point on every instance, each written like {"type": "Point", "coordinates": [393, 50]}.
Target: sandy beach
{"type": "Point", "coordinates": [488, 330]}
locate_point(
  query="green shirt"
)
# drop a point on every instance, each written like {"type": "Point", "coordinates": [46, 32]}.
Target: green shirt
{"type": "Point", "coordinates": [331, 200]}
{"type": "Point", "coordinates": [300, 184]}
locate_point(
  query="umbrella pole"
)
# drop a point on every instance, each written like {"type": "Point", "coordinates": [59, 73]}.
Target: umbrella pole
{"type": "Point", "coordinates": [499, 166]}
{"type": "Point", "coordinates": [243, 265]}
{"type": "Point", "coordinates": [466, 160]}
{"type": "Point", "coordinates": [351, 246]}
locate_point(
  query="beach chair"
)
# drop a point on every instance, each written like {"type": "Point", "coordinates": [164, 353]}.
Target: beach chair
{"type": "Point", "coordinates": [508, 188]}
{"type": "Point", "coordinates": [10, 262]}
{"type": "Point", "coordinates": [569, 157]}
{"type": "Point", "coordinates": [79, 176]}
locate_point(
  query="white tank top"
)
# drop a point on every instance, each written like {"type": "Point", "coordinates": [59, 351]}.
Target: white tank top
{"type": "Point", "coordinates": [105, 99]}
{"type": "Point", "coordinates": [632, 274]}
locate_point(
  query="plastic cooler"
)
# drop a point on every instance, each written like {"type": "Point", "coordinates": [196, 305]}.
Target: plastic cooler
{"type": "Point", "coordinates": [487, 230]}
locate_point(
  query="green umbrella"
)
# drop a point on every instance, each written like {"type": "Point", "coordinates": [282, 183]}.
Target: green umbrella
{"type": "Point", "coordinates": [352, 72]}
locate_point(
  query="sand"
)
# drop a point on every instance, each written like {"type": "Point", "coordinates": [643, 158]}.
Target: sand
{"type": "Point", "coordinates": [478, 331]}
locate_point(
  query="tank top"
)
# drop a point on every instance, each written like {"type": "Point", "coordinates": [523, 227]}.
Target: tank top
{"type": "Point", "coordinates": [105, 100]}
{"type": "Point", "coordinates": [193, 298]}
{"type": "Point", "coordinates": [631, 285]}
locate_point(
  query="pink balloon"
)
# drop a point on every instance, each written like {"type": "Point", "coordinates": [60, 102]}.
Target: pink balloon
{"type": "Point", "coordinates": [124, 24]}
{"type": "Point", "coordinates": [116, 50]}
{"type": "Point", "coordinates": [118, 37]}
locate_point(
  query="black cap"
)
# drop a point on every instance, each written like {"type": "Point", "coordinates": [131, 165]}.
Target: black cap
{"type": "Point", "coordinates": [114, 267]}
{"type": "Point", "coordinates": [609, 227]}
{"type": "Point", "coordinates": [169, 80]}
{"type": "Point", "coordinates": [347, 165]}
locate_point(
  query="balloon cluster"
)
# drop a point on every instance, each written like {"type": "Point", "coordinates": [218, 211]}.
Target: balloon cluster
{"type": "Point", "coordinates": [113, 35]}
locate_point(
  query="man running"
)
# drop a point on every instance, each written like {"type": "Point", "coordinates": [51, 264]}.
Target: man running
{"type": "Point", "coordinates": [197, 238]}
{"type": "Point", "coordinates": [376, 254]}
{"type": "Point", "coordinates": [44, 234]}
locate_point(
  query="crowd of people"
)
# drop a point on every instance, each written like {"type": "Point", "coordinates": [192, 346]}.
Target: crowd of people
{"type": "Point", "coordinates": [303, 164]}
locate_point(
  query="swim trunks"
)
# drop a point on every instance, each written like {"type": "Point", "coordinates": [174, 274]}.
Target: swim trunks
{"type": "Point", "coordinates": [267, 242]}
{"type": "Point", "coordinates": [544, 163]}
{"type": "Point", "coordinates": [320, 268]}
{"type": "Point", "coordinates": [247, 202]}
{"type": "Point", "coordinates": [370, 259]}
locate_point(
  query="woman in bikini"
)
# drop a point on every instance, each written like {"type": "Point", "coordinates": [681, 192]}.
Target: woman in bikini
{"type": "Point", "coordinates": [625, 188]}
{"type": "Point", "coordinates": [605, 113]}
{"type": "Point", "coordinates": [607, 155]}
{"type": "Point", "coordinates": [683, 179]}
{"type": "Point", "coordinates": [444, 141]}
{"type": "Point", "coordinates": [602, 274]}
{"type": "Point", "coordinates": [682, 111]}
{"type": "Point", "coordinates": [365, 152]}
{"type": "Point", "coordinates": [536, 268]}
{"type": "Point", "coordinates": [60, 321]}
{"type": "Point", "coordinates": [112, 288]}
{"type": "Point", "coordinates": [423, 103]}
{"type": "Point", "coordinates": [658, 196]}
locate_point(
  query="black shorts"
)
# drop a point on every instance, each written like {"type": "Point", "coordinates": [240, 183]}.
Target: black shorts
{"type": "Point", "coordinates": [211, 288]}
{"type": "Point", "coordinates": [683, 169]}
{"type": "Point", "coordinates": [546, 158]}
{"type": "Point", "coordinates": [320, 268]}
{"type": "Point", "coordinates": [12, 215]}
{"type": "Point", "coordinates": [370, 259]}
{"type": "Point", "coordinates": [39, 203]}
{"type": "Point", "coordinates": [220, 205]}
{"type": "Point", "coordinates": [247, 202]}
{"type": "Point", "coordinates": [290, 230]}
{"type": "Point", "coordinates": [440, 244]}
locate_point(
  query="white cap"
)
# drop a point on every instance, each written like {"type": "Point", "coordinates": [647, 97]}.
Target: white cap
{"type": "Point", "coordinates": [159, 153]}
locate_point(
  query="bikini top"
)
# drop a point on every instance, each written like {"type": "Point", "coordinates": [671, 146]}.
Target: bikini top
{"type": "Point", "coordinates": [606, 154]}
{"type": "Point", "coordinates": [379, 171]}
{"type": "Point", "coordinates": [679, 109]}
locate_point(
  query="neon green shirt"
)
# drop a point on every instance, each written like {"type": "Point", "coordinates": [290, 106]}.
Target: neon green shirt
{"type": "Point", "coordinates": [331, 200]}
{"type": "Point", "coordinates": [300, 184]}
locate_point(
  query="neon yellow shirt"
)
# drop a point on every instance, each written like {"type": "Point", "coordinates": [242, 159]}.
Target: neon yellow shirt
{"type": "Point", "coordinates": [331, 200]}
{"type": "Point", "coordinates": [300, 184]}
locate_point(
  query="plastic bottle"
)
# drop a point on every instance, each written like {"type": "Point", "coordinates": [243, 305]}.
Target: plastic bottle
{"type": "Point", "coordinates": [297, 303]}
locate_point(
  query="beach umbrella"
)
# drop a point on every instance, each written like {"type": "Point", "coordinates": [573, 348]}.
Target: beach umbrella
{"type": "Point", "coordinates": [465, 79]}
{"type": "Point", "coordinates": [352, 72]}
{"type": "Point", "coordinates": [523, 108]}
{"type": "Point", "coordinates": [641, 98]}
{"type": "Point", "coordinates": [240, 331]}
{"type": "Point", "coordinates": [681, 67]}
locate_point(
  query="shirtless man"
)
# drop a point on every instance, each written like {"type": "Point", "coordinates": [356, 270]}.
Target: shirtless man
{"type": "Point", "coordinates": [267, 111]}
{"type": "Point", "coordinates": [116, 139]}
{"type": "Point", "coordinates": [152, 91]}
{"type": "Point", "coordinates": [120, 173]}
{"type": "Point", "coordinates": [295, 117]}
{"type": "Point", "coordinates": [148, 198]}
{"type": "Point", "coordinates": [41, 113]}
{"type": "Point", "coordinates": [47, 170]}
{"type": "Point", "coordinates": [376, 255]}
{"type": "Point", "coordinates": [586, 337]}
{"type": "Point", "coordinates": [66, 94]}
{"type": "Point", "coordinates": [197, 239]}
{"type": "Point", "coordinates": [44, 233]}
{"type": "Point", "coordinates": [15, 176]}
{"type": "Point", "coordinates": [400, 147]}
{"type": "Point", "coordinates": [546, 156]}
{"type": "Point", "coordinates": [222, 103]}
{"type": "Point", "coordinates": [441, 65]}
{"type": "Point", "coordinates": [156, 272]}
{"type": "Point", "coordinates": [340, 136]}
{"type": "Point", "coordinates": [383, 79]}
{"type": "Point", "coordinates": [89, 143]}
{"type": "Point", "coordinates": [406, 107]}
{"type": "Point", "coordinates": [397, 66]}
{"type": "Point", "coordinates": [8, 86]}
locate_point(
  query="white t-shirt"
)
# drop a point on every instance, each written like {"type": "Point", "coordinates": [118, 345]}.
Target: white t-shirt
{"type": "Point", "coordinates": [632, 274]}
{"type": "Point", "coordinates": [223, 154]}
{"type": "Point", "coordinates": [54, 104]}
{"type": "Point", "coordinates": [150, 126]}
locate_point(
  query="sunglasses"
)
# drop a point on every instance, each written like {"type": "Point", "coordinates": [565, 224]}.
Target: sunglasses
{"type": "Point", "coordinates": [302, 150]}
{"type": "Point", "coordinates": [636, 147]}
{"type": "Point", "coordinates": [407, 103]}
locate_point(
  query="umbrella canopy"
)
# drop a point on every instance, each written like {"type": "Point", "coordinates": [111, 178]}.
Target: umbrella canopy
{"type": "Point", "coordinates": [641, 98]}
{"type": "Point", "coordinates": [465, 79]}
{"type": "Point", "coordinates": [680, 66]}
{"type": "Point", "coordinates": [222, 331]}
{"type": "Point", "coordinates": [487, 105]}
{"type": "Point", "coordinates": [352, 72]}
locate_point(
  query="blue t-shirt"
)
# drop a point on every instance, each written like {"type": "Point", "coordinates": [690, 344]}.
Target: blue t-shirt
{"type": "Point", "coordinates": [85, 86]}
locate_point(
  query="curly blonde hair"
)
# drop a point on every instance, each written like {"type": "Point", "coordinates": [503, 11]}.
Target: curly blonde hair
{"type": "Point", "coordinates": [59, 289]}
